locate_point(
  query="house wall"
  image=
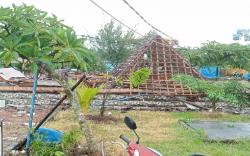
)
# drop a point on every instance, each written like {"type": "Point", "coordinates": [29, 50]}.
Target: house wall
{"type": "Point", "coordinates": [21, 98]}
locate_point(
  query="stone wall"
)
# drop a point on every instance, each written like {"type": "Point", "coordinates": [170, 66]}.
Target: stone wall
{"type": "Point", "coordinates": [160, 103]}
{"type": "Point", "coordinates": [20, 98]}
{"type": "Point", "coordinates": [140, 102]}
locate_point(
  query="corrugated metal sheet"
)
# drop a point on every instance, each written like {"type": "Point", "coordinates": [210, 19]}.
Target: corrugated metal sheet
{"type": "Point", "coordinates": [10, 73]}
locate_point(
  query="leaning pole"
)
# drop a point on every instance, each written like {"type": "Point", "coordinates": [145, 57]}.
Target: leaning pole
{"type": "Point", "coordinates": [32, 109]}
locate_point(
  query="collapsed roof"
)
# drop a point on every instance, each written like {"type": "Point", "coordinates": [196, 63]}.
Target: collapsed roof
{"type": "Point", "coordinates": [164, 61]}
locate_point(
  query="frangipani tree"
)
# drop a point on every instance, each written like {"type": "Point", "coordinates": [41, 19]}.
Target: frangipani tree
{"type": "Point", "coordinates": [38, 41]}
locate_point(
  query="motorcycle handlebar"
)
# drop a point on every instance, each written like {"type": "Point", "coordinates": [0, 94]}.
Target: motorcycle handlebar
{"type": "Point", "coordinates": [124, 138]}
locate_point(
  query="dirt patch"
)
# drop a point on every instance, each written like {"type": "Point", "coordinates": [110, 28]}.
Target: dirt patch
{"type": "Point", "coordinates": [15, 124]}
{"type": "Point", "coordinates": [104, 119]}
{"type": "Point", "coordinates": [106, 130]}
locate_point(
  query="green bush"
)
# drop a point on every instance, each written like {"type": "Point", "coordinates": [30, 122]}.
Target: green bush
{"type": "Point", "coordinates": [70, 141]}
{"type": "Point", "coordinates": [236, 94]}
{"type": "Point", "coordinates": [139, 76]}
{"type": "Point", "coordinates": [214, 91]}
{"type": "Point", "coordinates": [65, 148]}
{"type": "Point", "coordinates": [232, 91]}
{"type": "Point", "coordinates": [39, 148]}
{"type": "Point", "coordinates": [192, 83]}
{"type": "Point", "coordinates": [119, 81]}
{"type": "Point", "coordinates": [85, 95]}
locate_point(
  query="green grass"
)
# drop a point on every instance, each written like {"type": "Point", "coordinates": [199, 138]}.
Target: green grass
{"type": "Point", "coordinates": [246, 83]}
{"type": "Point", "coordinates": [161, 131]}
{"type": "Point", "coordinates": [243, 82]}
{"type": "Point", "coordinates": [187, 141]}
{"type": "Point", "coordinates": [210, 116]}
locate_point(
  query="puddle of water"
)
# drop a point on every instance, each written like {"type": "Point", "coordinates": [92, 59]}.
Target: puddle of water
{"type": "Point", "coordinates": [219, 131]}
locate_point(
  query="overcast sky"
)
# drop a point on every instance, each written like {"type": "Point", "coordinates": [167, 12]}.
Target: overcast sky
{"type": "Point", "coordinates": [190, 21]}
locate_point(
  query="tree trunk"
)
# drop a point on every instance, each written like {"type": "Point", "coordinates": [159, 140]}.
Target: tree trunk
{"type": "Point", "coordinates": [213, 106]}
{"type": "Point", "coordinates": [102, 109]}
{"type": "Point", "coordinates": [217, 73]}
{"type": "Point", "coordinates": [92, 148]}
{"type": "Point", "coordinates": [110, 86]}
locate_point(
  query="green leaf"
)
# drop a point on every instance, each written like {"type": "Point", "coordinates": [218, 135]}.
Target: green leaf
{"type": "Point", "coordinates": [139, 76]}
{"type": "Point", "coordinates": [59, 153]}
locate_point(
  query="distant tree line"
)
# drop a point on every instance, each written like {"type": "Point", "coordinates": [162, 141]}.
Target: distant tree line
{"type": "Point", "coordinates": [217, 54]}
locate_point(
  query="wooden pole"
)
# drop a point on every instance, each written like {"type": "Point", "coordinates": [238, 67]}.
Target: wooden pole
{"type": "Point", "coordinates": [32, 110]}
{"type": "Point", "coordinates": [20, 145]}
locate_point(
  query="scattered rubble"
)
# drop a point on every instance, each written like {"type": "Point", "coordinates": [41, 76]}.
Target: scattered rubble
{"type": "Point", "coordinates": [15, 125]}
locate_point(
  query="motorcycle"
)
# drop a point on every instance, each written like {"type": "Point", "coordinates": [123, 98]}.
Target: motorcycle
{"type": "Point", "coordinates": [134, 148]}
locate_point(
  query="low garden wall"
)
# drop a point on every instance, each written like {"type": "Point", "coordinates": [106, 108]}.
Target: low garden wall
{"type": "Point", "coordinates": [161, 103]}
{"type": "Point", "coordinates": [21, 98]}
{"type": "Point", "coordinates": [140, 102]}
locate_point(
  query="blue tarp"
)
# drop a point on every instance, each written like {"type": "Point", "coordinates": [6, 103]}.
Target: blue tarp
{"type": "Point", "coordinates": [49, 135]}
{"type": "Point", "coordinates": [246, 76]}
{"type": "Point", "coordinates": [109, 66]}
{"type": "Point", "coordinates": [210, 72]}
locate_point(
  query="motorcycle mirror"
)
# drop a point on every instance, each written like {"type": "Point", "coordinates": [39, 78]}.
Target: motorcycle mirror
{"type": "Point", "coordinates": [130, 123]}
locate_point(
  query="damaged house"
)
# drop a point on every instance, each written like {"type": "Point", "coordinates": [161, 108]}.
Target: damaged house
{"type": "Point", "coordinates": [16, 89]}
{"type": "Point", "coordinates": [160, 56]}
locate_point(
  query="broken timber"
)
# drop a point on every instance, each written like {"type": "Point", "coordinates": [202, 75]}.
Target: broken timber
{"type": "Point", "coordinates": [164, 62]}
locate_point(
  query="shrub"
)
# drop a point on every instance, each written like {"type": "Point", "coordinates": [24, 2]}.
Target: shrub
{"type": "Point", "coordinates": [139, 76]}
{"type": "Point", "coordinates": [232, 92]}
{"type": "Point", "coordinates": [119, 81]}
{"type": "Point", "coordinates": [192, 83]}
{"type": "Point", "coordinates": [70, 141]}
{"type": "Point", "coordinates": [85, 95]}
{"type": "Point", "coordinates": [39, 148]}
{"type": "Point", "coordinates": [213, 91]}
{"type": "Point", "coordinates": [235, 94]}
{"type": "Point", "coordinates": [66, 147]}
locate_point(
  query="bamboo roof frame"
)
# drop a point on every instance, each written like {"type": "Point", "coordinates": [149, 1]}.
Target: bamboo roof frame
{"type": "Point", "coordinates": [164, 61]}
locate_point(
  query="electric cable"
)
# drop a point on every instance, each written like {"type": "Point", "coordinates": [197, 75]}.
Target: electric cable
{"type": "Point", "coordinates": [115, 18]}
{"type": "Point", "coordinates": [131, 7]}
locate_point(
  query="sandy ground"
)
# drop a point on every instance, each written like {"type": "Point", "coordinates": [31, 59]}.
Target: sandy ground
{"type": "Point", "coordinates": [15, 124]}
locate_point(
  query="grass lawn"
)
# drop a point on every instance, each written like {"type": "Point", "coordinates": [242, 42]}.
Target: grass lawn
{"type": "Point", "coordinates": [246, 84]}
{"type": "Point", "coordinates": [159, 130]}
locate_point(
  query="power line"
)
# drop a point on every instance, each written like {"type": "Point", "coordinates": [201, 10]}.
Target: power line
{"type": "Point", "coordinates": [115, 18]}
{"type": "Point", "coordinates": [146, 20]}
{"type": "Point", "coordinates": [174, 41]}
{"type": "Point", "coordinates": [92, 38]}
